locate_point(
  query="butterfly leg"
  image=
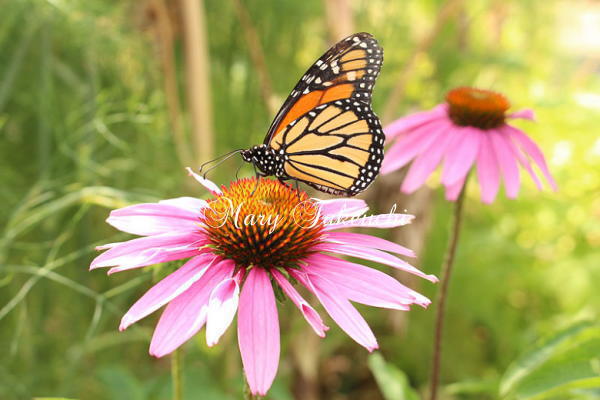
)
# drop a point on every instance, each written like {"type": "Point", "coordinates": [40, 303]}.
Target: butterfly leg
{"type": "Point", "coordinates": [282, 180]}
{"type": "Point", "coordinates": [257, 175]}
{"type": "Point", "coordinates": [237, 172]}
{"type": "Point", "coordinates": [297, 188]}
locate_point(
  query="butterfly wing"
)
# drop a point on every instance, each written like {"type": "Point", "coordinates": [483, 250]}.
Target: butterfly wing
{"type": "Point", "coordinates": [346, 71]}
{"type": "Point", "coordinates": [336, 147]}
{"type": "Point", "coordinates": [326, 130]}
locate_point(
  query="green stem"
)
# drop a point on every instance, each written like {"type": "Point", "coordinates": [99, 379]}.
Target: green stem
{"type": "Point", "coordinates": [443, 293]}
{"type": "Point", "coordinates": [176, 375]}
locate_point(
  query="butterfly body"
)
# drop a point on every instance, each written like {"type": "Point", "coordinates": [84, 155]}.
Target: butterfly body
{"type": "Point", "coordinates": [326, 134]}
{"type": "Point", "coordinates": [267, 160]}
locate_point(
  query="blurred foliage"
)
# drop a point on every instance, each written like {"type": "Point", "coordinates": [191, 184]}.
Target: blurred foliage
{"type": "Point", "coordinates": [567, 363]}
{"type": "Point", "coordinates": [84, 128]}
{"type": "Point", "coordinates": [392, 382]}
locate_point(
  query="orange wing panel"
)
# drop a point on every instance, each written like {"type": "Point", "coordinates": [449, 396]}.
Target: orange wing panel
{"type": "Point", "coordinates": [312, 100]}
{"type": "Point", "coordinates": [338, 92]}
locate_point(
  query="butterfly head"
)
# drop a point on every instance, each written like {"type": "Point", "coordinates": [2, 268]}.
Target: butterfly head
{"type": "Point", "coordinates": [264, 158]}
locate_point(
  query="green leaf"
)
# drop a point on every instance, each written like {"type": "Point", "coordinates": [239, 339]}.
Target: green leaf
{"type": "Point", "coordinates": [392, 382]}
{"type": "Point", "coordinates": [487, 387]}
{"type": "Point", "coordinates": [566, 361]}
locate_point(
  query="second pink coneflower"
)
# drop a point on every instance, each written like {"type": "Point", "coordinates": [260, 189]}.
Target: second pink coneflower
{"type": "Point", "coordinates": [471, 128]}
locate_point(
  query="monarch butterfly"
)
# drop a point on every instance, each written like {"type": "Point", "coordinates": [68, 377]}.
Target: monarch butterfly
{"type": "Point", "coordinates": [326, 134]}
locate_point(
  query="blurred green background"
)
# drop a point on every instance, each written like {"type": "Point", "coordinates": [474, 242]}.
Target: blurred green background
{"type": "Point", "coordinates": [102, 103]}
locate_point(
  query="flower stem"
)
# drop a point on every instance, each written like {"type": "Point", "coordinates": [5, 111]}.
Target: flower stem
{"type": "Point", "coordinates": [176, 375]}
{"type": "Point", "coordinates": [443, 293]}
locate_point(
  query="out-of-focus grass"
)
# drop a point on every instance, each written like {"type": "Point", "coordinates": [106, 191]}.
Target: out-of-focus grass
{"type": "Point", "coordinates": [84, 129]}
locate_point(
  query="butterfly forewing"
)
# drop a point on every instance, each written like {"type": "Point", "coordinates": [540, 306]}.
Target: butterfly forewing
{"type": "Point", "coordinates": [347, 70]}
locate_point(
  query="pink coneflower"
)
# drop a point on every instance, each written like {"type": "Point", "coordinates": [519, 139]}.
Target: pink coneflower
{"type": "Point", "coordinates": [470, 128]}
{"type": "Point", "coordinates": [243, 242]}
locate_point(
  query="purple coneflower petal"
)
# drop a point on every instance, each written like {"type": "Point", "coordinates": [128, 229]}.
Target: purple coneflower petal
{"type": "Point", "coordinates": [413, 121]}
{"type": "Point", "coordinates": [460, 158]}
{"type": "Point", "coordinates": [374, 255]}
{"type": "Point", "coordinates": [453, 190]}
{"type": "Point", "coordinates": [524, 161]}
{"type": "Point", "coordinates": [153, 219]}
{"type": "Point", "coordinates": [411, 145]}
{"type": "Point", "coordinates": [488, 173]}
{"type": "Point", "coordinates": [343, 207]}
{"type": "Point", "coordinates": [151, 250]}
{"type": "Point", "coordinates": [222, 306]}
{"type": "Point", "coordinates": [185, 315]}
{"type": "Point", "coordinates": [122, 268]}
{"type": "Point", "coordinates": [167, 289]}
{"type": "Point", "coordinates": [523, 114]}
{"type": "Point", "coordinates": [187, 203]}
{"type": "Point", "coordinates": [212, 187]}
{"type": "Point", "coordinates": [339, 309]}
{"type": "Point", "coordinates": [258, 331]}
{"type": "Point", "coordinates": [310, 314]}
{"type": "Point", "coordinates": [374, 221]}
{"type": "Point", "coordinates": [426, 162]}
{"type": "Point", "coordinates": [363, 284]}
{"type": "Point", "coordinates": [507, 162]}
{"type": "Point", "coordinates": [532, 149]}
{"type": "Point", "coordinates": [359, 239]}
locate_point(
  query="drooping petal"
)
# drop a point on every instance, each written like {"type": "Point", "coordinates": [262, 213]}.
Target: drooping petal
{"type": "Point", "coordinates": [343, 207]}
{"type": "Point", "coordinates": [310, 314]}
{"type": "Point", "coordinates": [488, 172]}
{"type": "Point", "coordinates": [222, 306]}
{"type": "Point", "coordinates": [211, 186]}
{"type": "Point", "coordinates": [185, 315]}
{"type": "Point", "coordinates": [453, 190]}
{"type": "Point", "coordinates": [363, 284]}
{"type": "Point", "coordinates": [187, 203]}
{"type": "Point", "coordinates": [374, 221]}
{"type": "Point", "coordinates": [507, 162]}
{"type": "Point", "coordinates": [413, 121]}
{"type": "Point", "coordinates": [426, 162]}
{"type": "Point", "coordinates": [359, 239]}
{"type": "Point", "coordinates": [414, 143]}
{"type": "Point", "coordinates": [524, 161]}
{"type": "Point", "coordinates": [258, 331]}
{"type": "Point", "coordinates": [532, 149]}
{"type": "Point", "coordinates": [153, 219]}
{"type": "Point", "coordinates": [524, 114]}
{"type": "Point", "coordinates": [167, 289]}
{"type": "Point", "coordinates": [460, 158]}
{"type": "Point", "coordinates": [339, 308]}
{"type": "Point", "coordinates": [374, 255]}
{"type": "Point", "coordinates": [151, 250]}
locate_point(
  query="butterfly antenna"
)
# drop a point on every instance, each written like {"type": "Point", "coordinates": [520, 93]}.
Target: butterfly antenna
{"type": "Point", "coordinates": [218, 161]}
{"type": "Point", "coordinates": [219, 158]}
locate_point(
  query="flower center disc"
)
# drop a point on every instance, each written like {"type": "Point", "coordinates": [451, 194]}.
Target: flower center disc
{"type": "Point", "coordinates": [263, 223]}
{"type": "Point", "coordinates": [479, 108]}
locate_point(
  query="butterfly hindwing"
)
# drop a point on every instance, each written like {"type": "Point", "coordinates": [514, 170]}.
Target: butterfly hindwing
{"type": "Point", "coordinates": [337, 147]}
